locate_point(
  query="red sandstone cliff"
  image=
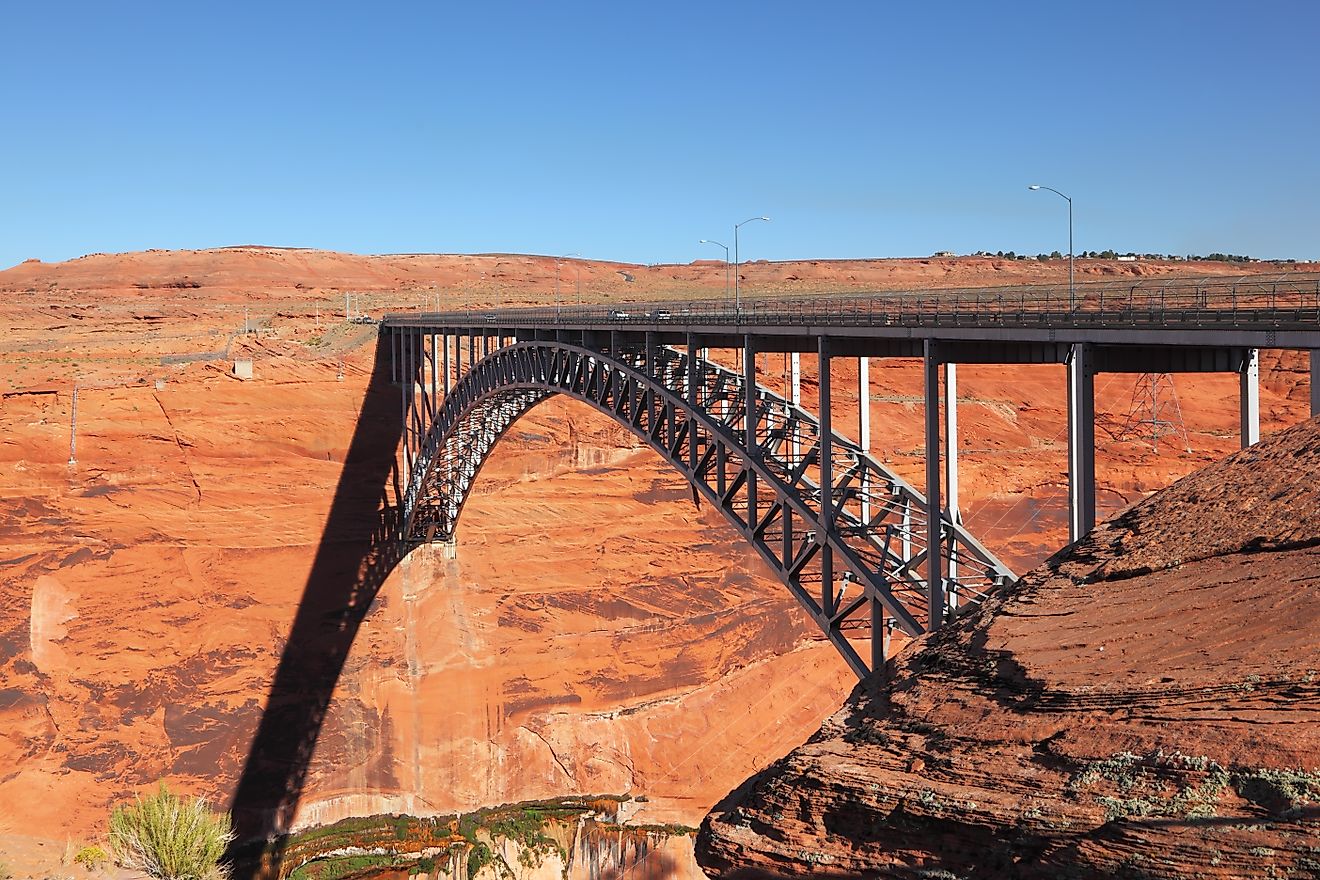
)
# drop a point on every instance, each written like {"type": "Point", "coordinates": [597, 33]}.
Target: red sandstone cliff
{"type": "Point", "coordinates": [1143, 705]}
{"type": "Point", "coordinates": [146, 592]}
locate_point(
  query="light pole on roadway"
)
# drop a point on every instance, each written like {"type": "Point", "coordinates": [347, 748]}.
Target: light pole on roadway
{"type": "Point", "coordinates": [1072, 291]}
{"type": "Point", "coordinates": [737, 294]}
{"type": "Point", "coordinates": [726, 266]}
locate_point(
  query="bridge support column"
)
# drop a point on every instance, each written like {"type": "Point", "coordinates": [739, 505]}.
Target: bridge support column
{"type": "Point", "coordinates": [417, 390]}
{"type": "Point", "coordinates": [749, 424]}
{"type": "Point", "coordinates": [692, 402]}
{"type": "Point", "coordinates": [934, 530]}
{"type": "Point", "coordinates": [951, 470]}
{"type": "Point", "coordinates": [749, 389]}
{"type": "Point", "coordinates": [1249, 398]}
{"type": "Point", "coordinates": [796, 398]}
{"type": "Point", "coordinates": [1315, 383]}
{"type": "Point", "coordinates": [405, 401]}
{"type": "Point", "coordinates": [649, 362]}
{"type": "Point", "coordinates": [435, 373]}
{"type": "Point", "coordinates": [864, 426]}
{"type": "Point", "coordinates": [1081, 441]}
{"type": "Point", "coordinates": [827, 593]}
{"type": "Point", "coordinates": [445, 337]}
{"type": "Point", "coordinates": [879, 637]}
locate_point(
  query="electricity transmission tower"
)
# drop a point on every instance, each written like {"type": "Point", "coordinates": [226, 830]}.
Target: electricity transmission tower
{"type": "Point", "coordinates": [1154, 413]}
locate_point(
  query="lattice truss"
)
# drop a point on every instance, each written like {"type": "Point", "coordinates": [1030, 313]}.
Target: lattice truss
{"type": "Point", "coordinates": [853, 556]}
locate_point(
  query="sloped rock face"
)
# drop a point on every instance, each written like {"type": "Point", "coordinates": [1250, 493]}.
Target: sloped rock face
{"type": "Point", "coordinates": [1143, 705]}
{"type": "Point", "coordinates": [596, 633]}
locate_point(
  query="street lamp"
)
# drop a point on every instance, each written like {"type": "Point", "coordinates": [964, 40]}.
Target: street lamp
{"type": "Point", "coordinates": [737, 297]}
{"type": "Point", "coordinates": [557, 259]}
{"type": "Point", "coordinates": [1072, 291]}
{"type": "Point", "coordinates": [726, 264]}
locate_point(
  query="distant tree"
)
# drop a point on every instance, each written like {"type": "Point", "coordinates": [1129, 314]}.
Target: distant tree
{"type": "Point", "coordinates": [1107, 255]}
{"type": "Point", "coordinates": [1042, 257]}
{"type": "Point", "coordinates": [1055, 255]}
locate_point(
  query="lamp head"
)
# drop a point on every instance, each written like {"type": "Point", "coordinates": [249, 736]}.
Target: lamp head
{"type": "Point", "coordinates": [1034, 186]}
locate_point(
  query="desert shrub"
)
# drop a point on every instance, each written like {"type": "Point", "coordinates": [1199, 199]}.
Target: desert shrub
{"type": "Point", "coordinates": [479, 857]}
{"type": "Point", "coordinates": [91, 857]}
{"type": "Point", "coordinates": [5, 873]}
{"type": "Point", "coordinates": [170, 837]}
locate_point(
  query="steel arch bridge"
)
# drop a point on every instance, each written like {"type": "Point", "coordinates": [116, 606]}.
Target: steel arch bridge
{"type": "Point", "coordinates": [856, 556]}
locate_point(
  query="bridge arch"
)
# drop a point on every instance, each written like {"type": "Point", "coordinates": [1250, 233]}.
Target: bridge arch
{"type": "Point", "coordinates": [853, 554]}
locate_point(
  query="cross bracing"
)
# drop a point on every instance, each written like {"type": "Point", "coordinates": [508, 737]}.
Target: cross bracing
{"type": "Point", "coordinates": [855, 556]}
{"type": "Point", "coordinates": [855, 552]}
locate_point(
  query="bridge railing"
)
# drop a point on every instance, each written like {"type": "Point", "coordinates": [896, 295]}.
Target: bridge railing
{"type": "Point", "coordinates": [1285, 299]}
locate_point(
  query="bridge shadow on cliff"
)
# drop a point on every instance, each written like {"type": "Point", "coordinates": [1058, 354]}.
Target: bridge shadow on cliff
{"type": "Point", "coordinates": [359, 547]}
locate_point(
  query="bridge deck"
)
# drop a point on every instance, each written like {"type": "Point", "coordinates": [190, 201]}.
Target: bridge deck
{"type": "Point", "coordinates": [644, 363]}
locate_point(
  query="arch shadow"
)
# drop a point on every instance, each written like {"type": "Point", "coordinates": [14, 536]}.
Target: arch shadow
{"type": "Point", "coordinates": [359, 547]}
{"type": "Point", "coordinates": [366, 534]}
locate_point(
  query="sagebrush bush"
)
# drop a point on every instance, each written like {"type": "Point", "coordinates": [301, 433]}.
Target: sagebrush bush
{"type": "Point", "coordinates": [170, 837]}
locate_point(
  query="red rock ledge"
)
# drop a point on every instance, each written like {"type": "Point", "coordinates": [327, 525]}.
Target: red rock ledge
{"type": "Point", "coordinates": [1143, 705]}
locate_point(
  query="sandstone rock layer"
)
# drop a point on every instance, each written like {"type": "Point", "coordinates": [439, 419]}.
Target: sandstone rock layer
{"type": "Point", "coordinates": [1146, 704]}
{"type": "Point", "coordinates": [147, 590]}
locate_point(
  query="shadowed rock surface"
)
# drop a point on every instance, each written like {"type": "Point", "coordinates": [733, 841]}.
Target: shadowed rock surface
{"type": "Point", "coordinates": [1145, 704]}
{"type": "Point", "coordinates": [596, 632]}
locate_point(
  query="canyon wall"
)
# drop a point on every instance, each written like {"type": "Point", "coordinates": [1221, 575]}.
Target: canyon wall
{"type": "Point", "coordinates": [595, 631]}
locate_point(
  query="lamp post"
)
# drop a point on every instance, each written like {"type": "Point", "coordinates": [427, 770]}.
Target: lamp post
{"type": "Point", "coordinates": [1072, 291]}
{"type": "Point", "coordinates": [726, 264]}
{"type": "Point", "coordinates": [737, 295]}
{"type": "Point", "coordinates": [557, 259]}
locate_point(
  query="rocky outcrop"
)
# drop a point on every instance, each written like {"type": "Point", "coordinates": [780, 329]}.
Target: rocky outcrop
{"type": "Point", "coordinates": [595, 632]}
{"type": "Point", "coordinates": [1144, 705]}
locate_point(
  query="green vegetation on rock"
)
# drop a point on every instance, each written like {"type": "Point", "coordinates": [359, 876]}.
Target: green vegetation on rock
{"type": "Point", "coordinates": [373, 845]}
{"type": "Point", "coordinates": [1189, 786]}
{"type": "Point", "coordinates": [337, 868]}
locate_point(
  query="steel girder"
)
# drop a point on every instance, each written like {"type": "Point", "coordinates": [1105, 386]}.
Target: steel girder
{"type": "Point", "coordinates": [857, 571]}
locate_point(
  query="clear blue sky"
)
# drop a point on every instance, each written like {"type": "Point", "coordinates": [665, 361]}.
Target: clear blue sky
{"type": "Point", "coordinates": [628, 130]}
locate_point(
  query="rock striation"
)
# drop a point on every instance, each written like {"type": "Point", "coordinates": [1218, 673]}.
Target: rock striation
{"type": "Point", "coordinates": [1143, 705]}
{"type": "Point", "coordinates": [595, 632]}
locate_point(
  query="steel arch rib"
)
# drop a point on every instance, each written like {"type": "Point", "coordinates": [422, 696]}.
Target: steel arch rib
{"type": "Point", "coordinates": [645, 392]}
